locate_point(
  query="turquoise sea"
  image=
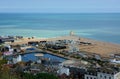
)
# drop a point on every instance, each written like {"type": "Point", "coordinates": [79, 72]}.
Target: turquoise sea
{"type": "Point", "coordinates": [99, 26]}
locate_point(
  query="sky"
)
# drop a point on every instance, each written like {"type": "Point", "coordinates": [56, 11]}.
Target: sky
{"type": "Point", "coordinates": [60, 6]}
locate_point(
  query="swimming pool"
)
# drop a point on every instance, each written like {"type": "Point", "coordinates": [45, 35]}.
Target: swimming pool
{"type": "Point", "coordinates": [32, 57]}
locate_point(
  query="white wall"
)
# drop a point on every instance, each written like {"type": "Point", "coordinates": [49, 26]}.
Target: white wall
{"type": "Point", "coordinates": [63, 70]}
{"type": "Point", "coordinates": [105, 76]}
{"type": "Point", "coordinates": [117, 76]}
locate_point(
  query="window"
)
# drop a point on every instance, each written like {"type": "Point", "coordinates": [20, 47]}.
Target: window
{"type": "Point", "coordinates": [101, 76]}
{"type": "Point", "coordinates": [87, 78]}
{"type": "Point", "coordinates": [105, 77]}
{"type": "Point", "coordinates": [109, 77]}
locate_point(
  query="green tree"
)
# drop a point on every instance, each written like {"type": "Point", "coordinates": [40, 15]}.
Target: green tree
{"type": "Point", "coordinates": [38, 76]}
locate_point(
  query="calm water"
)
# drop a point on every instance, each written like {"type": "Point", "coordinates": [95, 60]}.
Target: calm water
{"type": "Point", "coordinates": [32, 57]}
{"type": "Point", "coordinates": [104, 27]}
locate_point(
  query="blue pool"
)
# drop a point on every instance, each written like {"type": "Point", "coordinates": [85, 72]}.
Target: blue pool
{"type": "Point", "coordinates": [32, 57]}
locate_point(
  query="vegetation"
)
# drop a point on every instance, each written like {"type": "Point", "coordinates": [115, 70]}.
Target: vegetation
{"type": "Point", "coordinates": [6, 73]}
{"type": "Point", "coordinates": [2, 62]}
{"type": "Point", "coordinates": [38, 76]}
{"type": "Point", "coordinates": [5, 70]}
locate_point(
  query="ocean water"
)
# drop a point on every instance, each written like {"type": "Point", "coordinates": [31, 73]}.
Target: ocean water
{"type": "Point", "coordinates": [99, 26]}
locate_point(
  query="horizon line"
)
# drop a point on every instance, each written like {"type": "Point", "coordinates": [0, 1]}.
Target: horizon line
{"type": "Point", "coordinates": [59, 12]}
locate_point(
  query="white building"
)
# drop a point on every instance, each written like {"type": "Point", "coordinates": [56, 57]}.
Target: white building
{"type": "Point", "coordinates": [97, 57]}
{"type": "Point", "coordinates": [73, 46]}
{"type": "Point", "coordinates": [102, 75]}
{"type": "Point", "coordinates": [115, 61]}
{"type": "Point", "coordinates": [73, 49]}
{"type": "Point", "coordinates": [72, 33]}
{"type": "Point", "coordinates": [17, 59]}
{"type": "Point", "coordinates": [113, 75]}
{"type": "Point", "coordinates": [91, 75]}
{"type": "Point", "coordinates": [63, 71]}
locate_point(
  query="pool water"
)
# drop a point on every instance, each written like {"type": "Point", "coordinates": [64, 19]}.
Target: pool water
{"type": "Point", "coordinates": [32, 57]}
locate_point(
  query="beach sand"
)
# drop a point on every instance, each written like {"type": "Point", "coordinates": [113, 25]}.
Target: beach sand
{"type": "Point", "coordinates": [98, 47]}
{"type": "Point", "coordinates": [102, 48]}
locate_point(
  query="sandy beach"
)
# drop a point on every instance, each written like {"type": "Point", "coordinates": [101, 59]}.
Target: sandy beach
{"type": "Point", "coordinates": [98, 47]}
{"type": "Point", "coordinates": [102, 48]}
